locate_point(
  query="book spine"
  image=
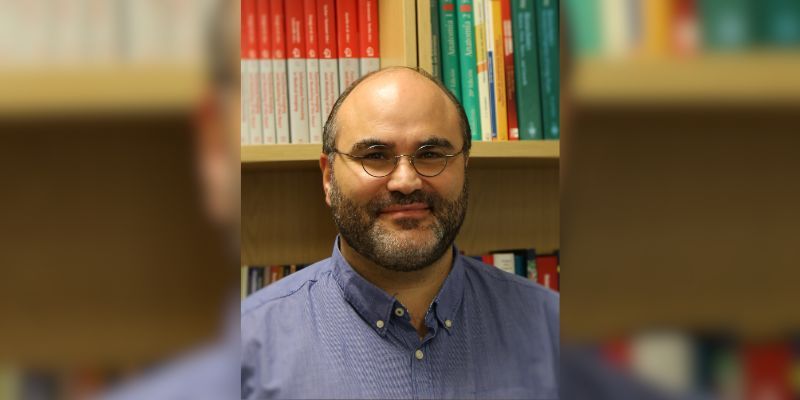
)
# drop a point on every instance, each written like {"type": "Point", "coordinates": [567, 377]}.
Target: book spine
{"type": "Point", "coordinates": [547, 13]}
{"type": "Point", "coordinates": [252, 86]}
{"type": "Point", "coordinates": [296, 66]}
{"type": "Point", "coordinates": [243, 51]}
{"type": "Point", "coordinates": [280, 79]}
{"type": "Point", "coordinates": [684, 33]}
{"type": "Point", "coordinates": [369, 48]}
{"type": "Point", "coordinates": [436, 56]}
{"type": "Point", "coordinates": [526, 66]}
{"type": "Point", "coordinates": [265, 72]}
{"type": "Point", "coordinates": [328, 63]}
{"type": "Point", "coordinates": [498, 58]}
{"type": "Point", "coordinates": [312, 71]}
{"type": "Point", "coordinates": [449, 43]}
{"type": "Point", "coordinates": [490, 67]}
{"type": "Point", "coordinates": [347, 37]}
{"type": "Point", "coordinates": [508, 62]}
{"type": "Point", "coordinates": [482, 64]}
{"type": "Point", "coordinates": [657, 22]}
{"type": "Point", "coordinates": [504, 261]}
{"type": "Point", "coordinates": [468, 65]}
{"type": "Point", "coordinates": [243, 282]}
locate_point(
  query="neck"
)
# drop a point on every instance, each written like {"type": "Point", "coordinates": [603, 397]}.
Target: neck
{"type": "Point", "coordinates": [415, 289]}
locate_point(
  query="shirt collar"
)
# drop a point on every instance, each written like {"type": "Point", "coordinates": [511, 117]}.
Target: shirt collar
{"type": "Point", "coordinates": [374, 305]}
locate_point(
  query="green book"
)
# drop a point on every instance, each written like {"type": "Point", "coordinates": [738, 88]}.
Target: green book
{"type": "Point", "coordinates": [547, 18]}
{"type": "Point", "coordinates": [584, 28]}
{"type": "Point", "coordinates": [779, 22]}
{"type": "Point", "coordinates": [468, 65]}
{"type": "Point", "coordinates": [436, 58]}
{"type": "Point", "coordinates": [526, 69]}
{"type": "Point", "coordinates": [726, 24]}
{"type": "Point", "coordinates": [448, 38]}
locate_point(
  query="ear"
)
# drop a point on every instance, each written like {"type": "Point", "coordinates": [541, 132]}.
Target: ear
{"type": "Point", "coordinates": [327, 170]}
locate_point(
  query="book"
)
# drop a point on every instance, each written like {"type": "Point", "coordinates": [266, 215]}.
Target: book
{"type": "Point", "coordinates": [526, 69]}
{"type": "Point", "coordinates": [468, 65]}
{"type": "Point", "coordinates": [451, 76]}
{"type": "Point", "coordinates": [347, 38]}
{"type": "Point", "coordinates": [482, 64]}
{"type": "Point", "coordinates": [684, 30]}
{"type": "Point", "coordinates": [504, 261]}
{"type": "Point", "coordinates": [547, 271]}
{"type": "Point", "coordinates": [496, 58]}
{"type": "Point", "coordinates": [368, 45]}
{"type": "Point", "coordinates": [488, 259]}
{"type": "Point", "coordinates": [296, 68]}
{"type": "Point", "coordinates": [778, 23]}
{"type": "Point", "coordinates": [585, 33]}
{"type": "Point", "coordinates": [424, 36]}
{"type": "Point", "coordinates": [312, 71]}
{"type": "Point", "coordinates": [255, 279]}
{"type": "Point", "coordinates": [265, 75]}
{"type": "Point", "coordinates": [657, 19]}
{"type": "Point", "coordinates": [547, 18]}
{"type": "Point", "coordinates": [767, 370]}
{"type": "Point", "coordinates": [244, 49]}
{"type": "Point", "coordinates": [530, 258]}
{"type": "Point", "coordinates": [280, 78]}
{"type": "Point", "coordinates": [328, 61]}
{"type": "Point", "coordinates": [726, 24]}
{"type": "Point", "coordinates": [508, 63]}
{"type": "Point", "coordinates": [251, 85]}
{"type": "Point", "coordinates": [435, 44]}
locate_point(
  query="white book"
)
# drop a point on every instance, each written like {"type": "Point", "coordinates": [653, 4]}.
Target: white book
{"type": "Point", "coordinates": [244, 131]}
{"type": "Point", "coordinates": [481, 43]}
{"type": "Point", "coordinates": [281, 98]}
{"type": "Point", "coordinates": [504, 261]}
{"type": "Point", "coordinates": [328, 63]}
{"type": "Point", "coordinates": [253, 104]}
{"type": "Point", "coordinates": [312, 71]}
{"type": "Point", "coordinates": [267, 101]}
{"type": "Point", "coordinates": [298, 100]}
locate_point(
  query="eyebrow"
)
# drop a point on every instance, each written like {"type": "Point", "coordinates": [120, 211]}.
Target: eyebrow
{"type": "Point", "coordinates": [366, 143]}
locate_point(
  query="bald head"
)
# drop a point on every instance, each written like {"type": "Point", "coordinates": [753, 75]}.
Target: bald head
{"type": "Point", "coordinates": [395, 97]}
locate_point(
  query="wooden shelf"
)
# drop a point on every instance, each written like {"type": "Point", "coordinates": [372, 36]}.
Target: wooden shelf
{"type": "Point", "coordinates": [100, 89]}
{"type": "Point", "coordinates": [483, 153]}
{"type": "Point", "coordinates": [719, 78]}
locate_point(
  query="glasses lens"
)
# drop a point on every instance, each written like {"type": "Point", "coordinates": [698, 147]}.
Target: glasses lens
{"type": "Point", "coordinates": [430, 160]}
{"type": "Point", "coordinates": [378, 161]}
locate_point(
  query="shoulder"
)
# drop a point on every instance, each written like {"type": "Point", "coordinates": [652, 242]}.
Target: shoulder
{"type": "Point", "coordinates": [287, 290]}
{"type": "Point", "coordinates": [510, 287]}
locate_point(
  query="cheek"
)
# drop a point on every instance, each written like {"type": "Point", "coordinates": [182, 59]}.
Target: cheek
{"type": "Point", "coordinates": [357, 185]}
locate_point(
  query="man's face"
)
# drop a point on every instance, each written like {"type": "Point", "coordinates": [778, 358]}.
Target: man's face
{"type": "Point", "coordinates": [404, 221]}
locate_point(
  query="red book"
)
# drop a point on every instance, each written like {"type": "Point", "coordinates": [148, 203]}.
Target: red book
{"type": "Point", "coordinates": [265, 72]}
{"type": "Point", "coordinates": [328, 61]}
{"type": "Point", "coordinates": [511, 86]}
{"type": "Point", "coordinates": [488, 259]}
{"type": "Point", "coordinates": [347, 38]}
{"type": "Point", "coordinates": [243, 53]}
{"type": "Point", "coordinates": [369, 55]}
{"type": "Point", "coordinates": [276, 272]}
{"type": "Point", "coordinates": [685, 29]}
{"type": "Point", "coordinates": [280, 79]}
{"type": "Point", "coordinates": [767, 371]}
{"type": "Point", "coordinates": [250, 84]}
{"type": "Point", "coordinates": [547, 271]}
{"type": "Point", "coordinates": [296, 67]}
{"type": "Point", "coordinates": [312, 71]}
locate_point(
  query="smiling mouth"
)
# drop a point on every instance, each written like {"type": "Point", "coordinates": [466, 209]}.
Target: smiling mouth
{"type": "Point", "coordinates": [415, 210]}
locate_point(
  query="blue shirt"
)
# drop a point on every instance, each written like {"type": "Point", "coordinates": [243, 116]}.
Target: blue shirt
{"type": "Point", "coordinates": [326, 332]}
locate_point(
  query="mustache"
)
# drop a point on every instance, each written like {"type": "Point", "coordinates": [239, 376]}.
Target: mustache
{"type": "Point", "coordinates": [432, 200]}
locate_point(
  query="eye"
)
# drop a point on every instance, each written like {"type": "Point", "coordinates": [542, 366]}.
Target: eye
{"type": "Point", "coordinates": [430, 154]}
{"type": "Point", "coordinates": [377, 155]}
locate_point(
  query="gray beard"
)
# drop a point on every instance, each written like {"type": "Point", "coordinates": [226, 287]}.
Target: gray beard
{"type": "Point", "coordinates": [359, 226]}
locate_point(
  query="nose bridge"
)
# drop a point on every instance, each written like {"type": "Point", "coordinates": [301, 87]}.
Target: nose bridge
{"type": "Point", "coordinates": [404, 178]}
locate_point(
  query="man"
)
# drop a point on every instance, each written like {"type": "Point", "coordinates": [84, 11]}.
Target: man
{"type": "Point", "coordinates": [396, 312]}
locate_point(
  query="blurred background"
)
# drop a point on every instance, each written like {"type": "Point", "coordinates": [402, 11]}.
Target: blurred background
{"type": "Point", "coordinates": [109, 262]}
{"type": "Point", "coordinates": [680, 163]}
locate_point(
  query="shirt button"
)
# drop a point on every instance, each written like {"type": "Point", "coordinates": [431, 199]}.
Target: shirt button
{"type": "Point", "coordinates": [419, 354]}
{"type": "Point", "coordinates": [399, 311]}
{"type": "Point", "coordinates": [448, 323]}
{"type": "Point", "coordinates": [379, 324]}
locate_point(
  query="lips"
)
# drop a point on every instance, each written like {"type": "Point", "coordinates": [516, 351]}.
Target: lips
{"type": "Point", "coordinates": [406, 210]}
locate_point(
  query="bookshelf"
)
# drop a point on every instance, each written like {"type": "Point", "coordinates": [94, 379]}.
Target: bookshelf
{"type": "Point", "coordinates": [100, 89]}
{"type": "Point", "coordinates": [733, 78]}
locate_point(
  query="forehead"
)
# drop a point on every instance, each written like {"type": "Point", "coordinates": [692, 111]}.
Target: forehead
{"type": "Point", "coordinates": [399, 108]}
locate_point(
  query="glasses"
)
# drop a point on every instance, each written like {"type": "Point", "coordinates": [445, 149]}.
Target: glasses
{"type": "Point", "coordinates": [379, 161]}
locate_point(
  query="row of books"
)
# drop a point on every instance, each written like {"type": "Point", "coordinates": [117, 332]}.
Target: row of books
{"type": "Point", "coordinates": [41, 383]}
{"type": "Point", "coordinates": [710, 365]}
{"type": "Point", "coordinates": [103, 32]}
{"type": "Point", "coordinates": [255, 277]}
{"type": "Point", "coordinates": [542, 268]}
{"type": "Point", "coordinates": [620, 28]}
{"type": "Point", "coordinates": [500, 58]}
{"type": "Point", "coordinates": [297, 56]}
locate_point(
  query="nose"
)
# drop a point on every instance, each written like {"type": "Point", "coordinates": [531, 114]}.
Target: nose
{"type": "Point", "coordinates": [404, 178]}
